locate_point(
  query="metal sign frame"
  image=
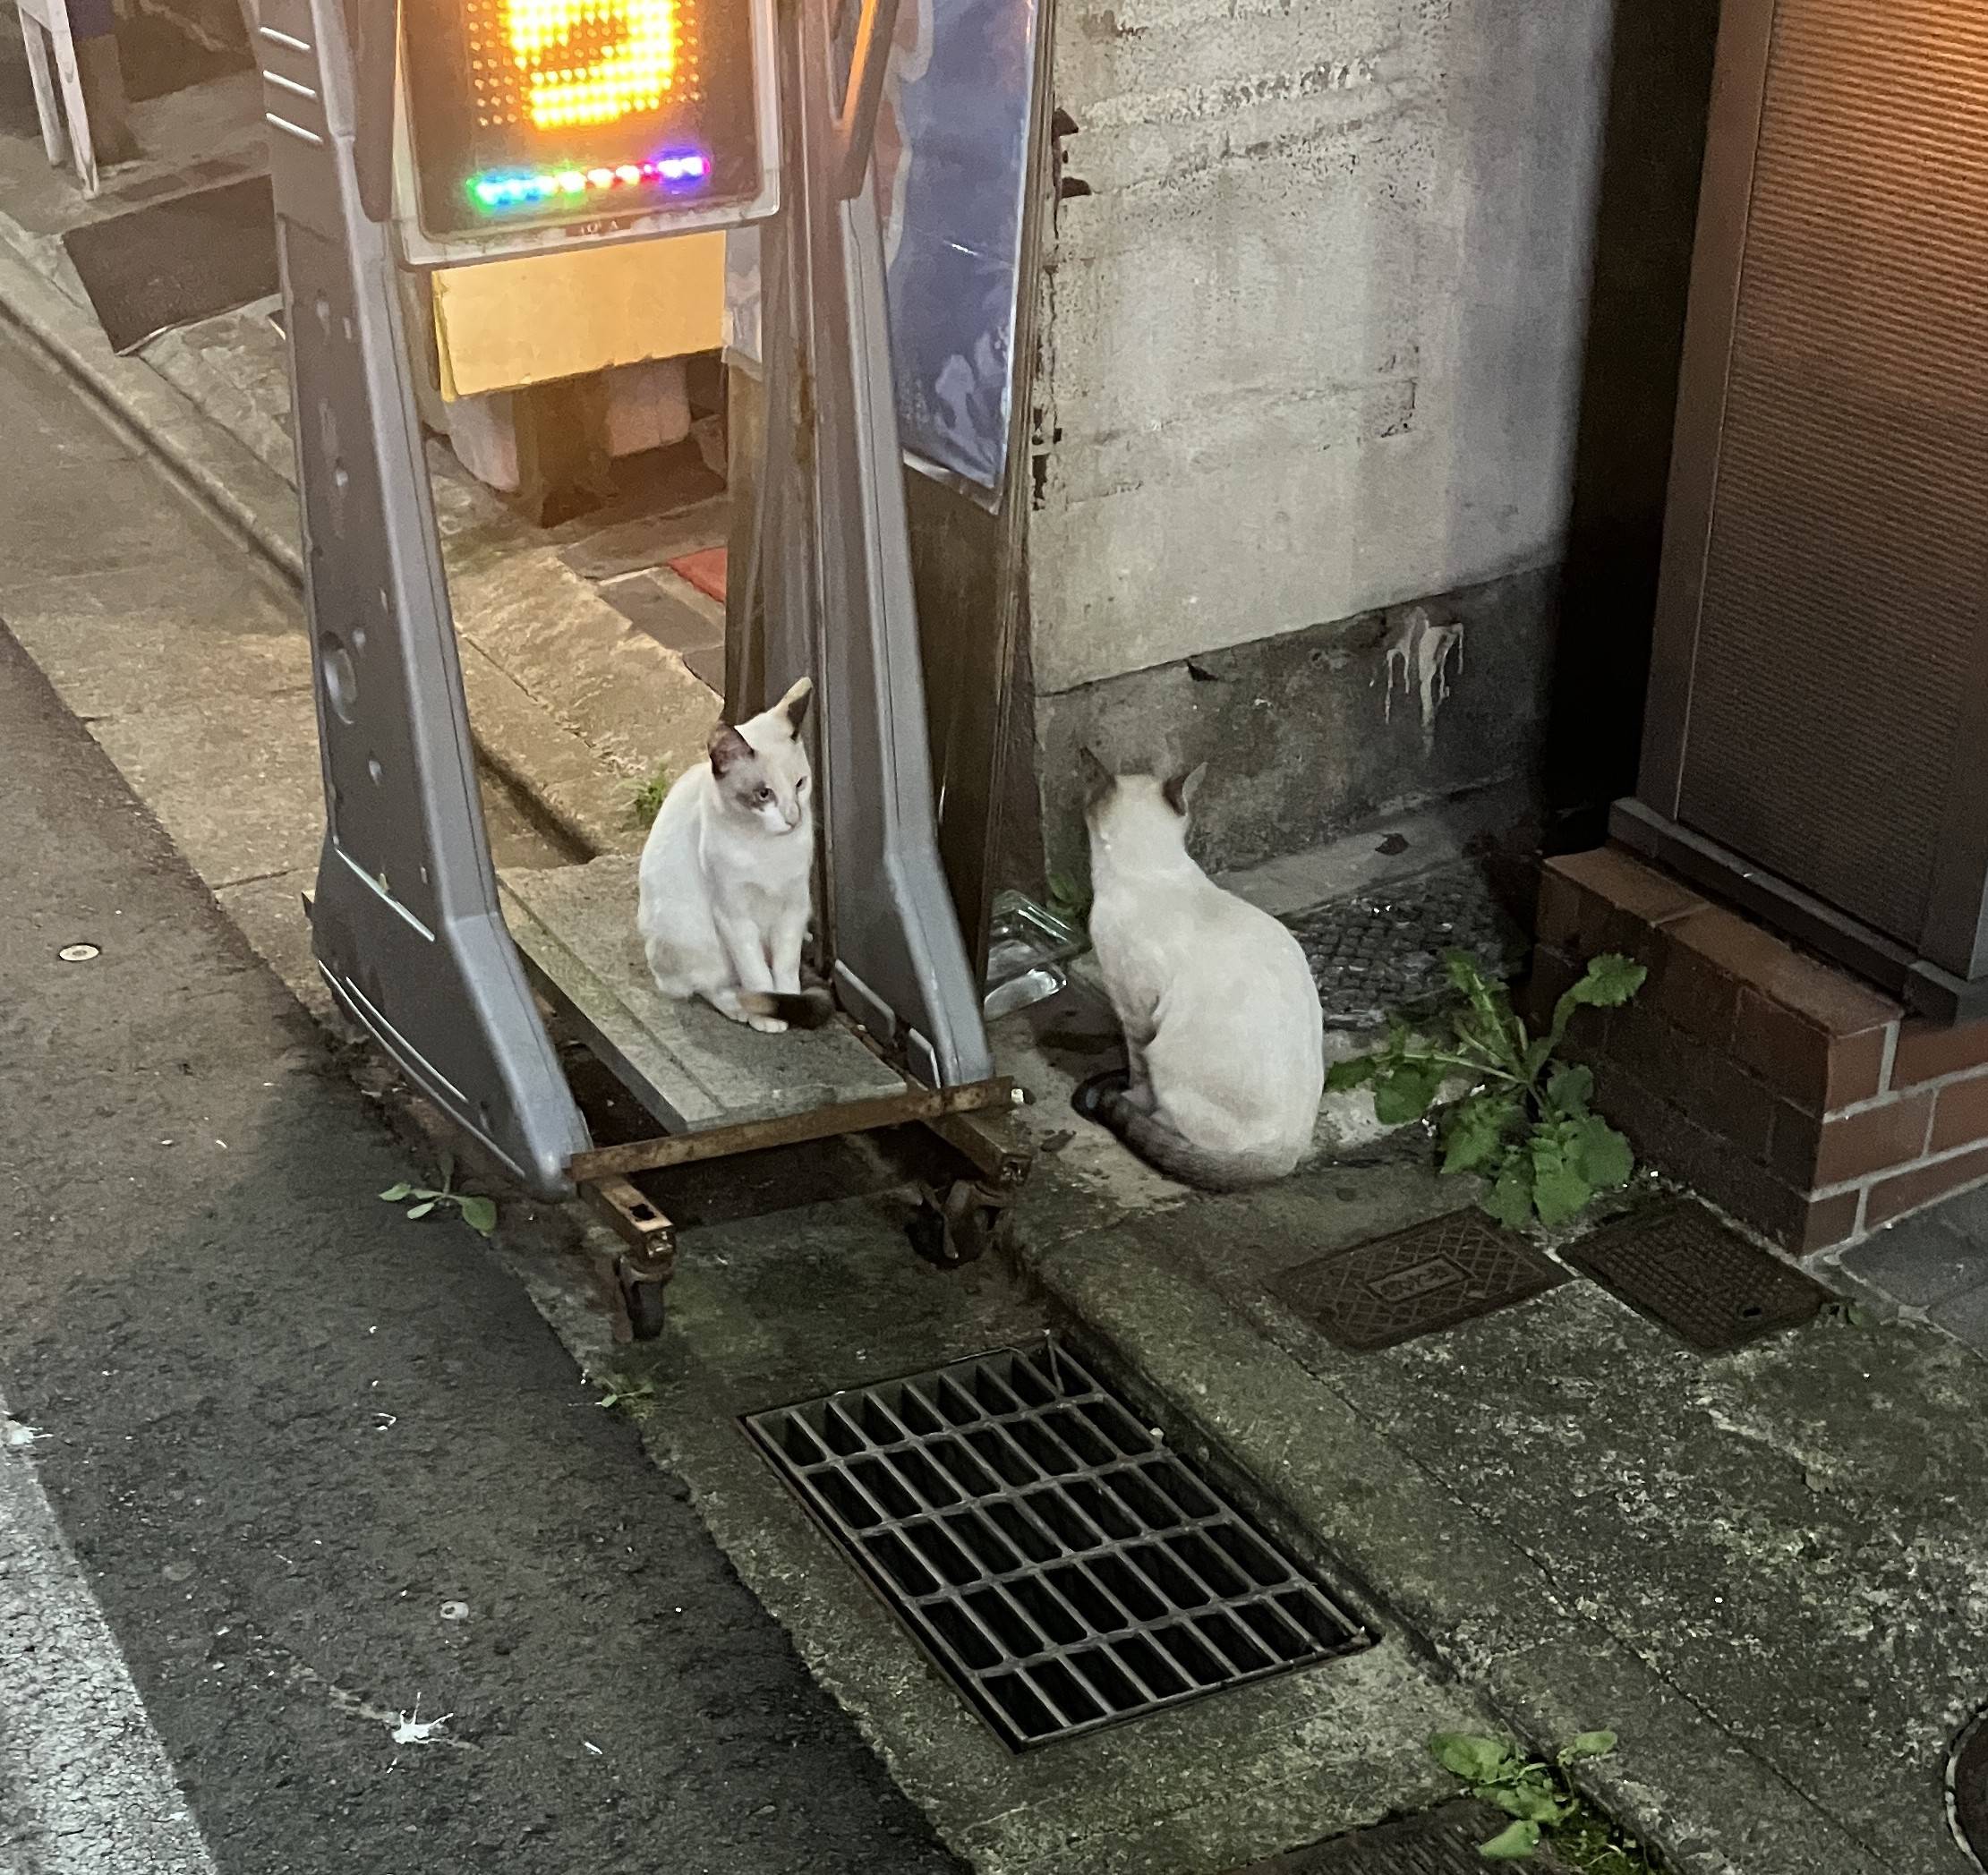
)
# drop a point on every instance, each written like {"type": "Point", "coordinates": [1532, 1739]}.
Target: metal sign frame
{"type": "Point", "coordinates": [407, 923]}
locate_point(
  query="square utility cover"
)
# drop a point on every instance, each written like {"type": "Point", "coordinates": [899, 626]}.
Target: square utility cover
{"type": "Point", "coordinates": [1430, 1276]}
{"type": "Point", "coordinates": [1676, 1263]}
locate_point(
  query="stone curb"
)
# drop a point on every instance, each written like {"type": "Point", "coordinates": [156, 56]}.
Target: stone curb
{"type": "Point", "coordinates": [1298, 1456]}
{"type": "Point", "coordinates": [552, 769]}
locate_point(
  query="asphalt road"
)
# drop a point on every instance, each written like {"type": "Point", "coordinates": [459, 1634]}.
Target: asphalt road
{"type": "Point", "coordinates": [315, 1464]}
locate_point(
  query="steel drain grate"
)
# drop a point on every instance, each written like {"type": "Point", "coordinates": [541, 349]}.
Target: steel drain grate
{"type": "Point", "coordinates": [1676, 1263]}
{"type": "Point", "coordinates": [1427, 1277]}
{"type": "Point", "coordinates": [1062, 1566]}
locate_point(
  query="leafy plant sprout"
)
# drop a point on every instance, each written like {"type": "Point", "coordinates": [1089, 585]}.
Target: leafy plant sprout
{"type": "Point", "coordinates": [1526, 1124]}
{"type": "Point", "coordinates": [480, 1214]}
{"type": "Point", "coordinates": [646, 802]}
{"type": "Point", "coordinates": [1536, 1797]}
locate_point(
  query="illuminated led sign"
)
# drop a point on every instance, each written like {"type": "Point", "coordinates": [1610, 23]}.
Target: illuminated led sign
{"type": "Point", "coordinates": [530, 124]}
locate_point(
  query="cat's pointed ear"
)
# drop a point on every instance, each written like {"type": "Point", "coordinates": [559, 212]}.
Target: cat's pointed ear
{"type": "Point", "coordinates": [1096, 778]}
{"type": "Point", "coordinates": [1180, 789]}
{"type": "Point", "coordinates": [794, 704]}
{"type": "Point", "coordinates": [728, 748]}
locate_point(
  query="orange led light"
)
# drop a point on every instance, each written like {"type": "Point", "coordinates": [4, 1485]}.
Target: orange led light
{"type": "Point", "coordinates": [591, 61]}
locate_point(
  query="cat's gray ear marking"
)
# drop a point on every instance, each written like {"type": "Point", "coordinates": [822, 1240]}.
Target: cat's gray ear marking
{"type": "Point", "coordinates": [728, 748]}
{"type": "Point", "coordinates": [795, 704]}
{"type": "Point", "coordinates": [1180, 789]}
{"type": "Point", "coordinates": [1098, 778]}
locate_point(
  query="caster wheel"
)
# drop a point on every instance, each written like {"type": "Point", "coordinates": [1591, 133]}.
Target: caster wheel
{"type": "Point", "coordinates": [927, 1233]}
{"type": "Point", "coordinates": [983, 1228]}
{"type": "Point", "coordinates": [646, 1305]}
{"type": "Point", "coordinates": [960, 1227]}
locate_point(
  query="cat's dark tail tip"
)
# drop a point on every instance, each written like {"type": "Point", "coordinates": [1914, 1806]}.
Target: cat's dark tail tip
{"type": "Point", "coordinates": [811, 1008]}
{"type": "Point", "coordinates": [1092, 1097]}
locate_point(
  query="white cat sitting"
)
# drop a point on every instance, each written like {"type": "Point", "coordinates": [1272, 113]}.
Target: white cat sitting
{"type": "Point", "coordinates": [1223, 1026]}
{"type": "Point", "coordinates": [726, 874]}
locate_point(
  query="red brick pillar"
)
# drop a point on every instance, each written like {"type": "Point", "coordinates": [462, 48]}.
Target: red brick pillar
{"type": "Point", "coordinates": [1784, 1090]}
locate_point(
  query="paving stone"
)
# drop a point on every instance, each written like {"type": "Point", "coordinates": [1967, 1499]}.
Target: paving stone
{"type": "Point", "coordinates": [669, 611]}
{"type": "Point", "coordinates": [1967, 1216]}
{"type": "Point", "coordinates": [708, 666]}
{"type": "Point", "coordinates": [1965, 1316]}
{"type": "Point", "coordinates": [1919, 1262]}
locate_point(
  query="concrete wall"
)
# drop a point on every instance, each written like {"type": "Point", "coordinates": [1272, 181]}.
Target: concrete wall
{"type": "Point", "coordinates": [1315, 314]}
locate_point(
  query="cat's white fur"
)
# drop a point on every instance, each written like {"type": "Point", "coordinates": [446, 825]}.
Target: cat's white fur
{"type": "Point", "coordinates": [727, 869]}
{"type": "Point", "coordinates": [1222, 1022]}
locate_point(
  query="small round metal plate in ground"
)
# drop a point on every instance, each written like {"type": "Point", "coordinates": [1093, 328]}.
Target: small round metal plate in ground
{"type": "Point", "coordinates": [1967, 1789]}
{"type": "Point", "coordinates": [78, 953]}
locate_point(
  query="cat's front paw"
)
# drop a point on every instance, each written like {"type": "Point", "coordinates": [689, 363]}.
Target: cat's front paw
{"type": "Point", "coordinates": [768, 1024]}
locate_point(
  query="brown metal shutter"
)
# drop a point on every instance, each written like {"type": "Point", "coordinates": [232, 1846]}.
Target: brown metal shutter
{"type": "Point", "coordinates": [1846, 570]}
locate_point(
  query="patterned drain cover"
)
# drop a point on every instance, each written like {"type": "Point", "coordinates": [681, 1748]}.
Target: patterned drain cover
{"type": "Point", "coordinates": [1676, 1263]}
{"type": "Point", "coordinates": [1426, 1278]}
{"type": "Point", "coordinates": [1442, 1842]}
{"type": "Point", "coordinates": [1061, 1567]}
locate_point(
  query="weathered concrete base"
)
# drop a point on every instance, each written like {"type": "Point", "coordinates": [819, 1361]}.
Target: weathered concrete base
{"type": "Point", "coordinates": [1311, 733]}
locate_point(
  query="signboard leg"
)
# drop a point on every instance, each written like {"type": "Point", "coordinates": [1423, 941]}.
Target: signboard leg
{"type": "Point", "coordinates": [406, 921]}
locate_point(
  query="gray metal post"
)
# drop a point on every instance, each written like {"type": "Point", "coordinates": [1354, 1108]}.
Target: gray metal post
{"type": "Point", "coordinates": [405, 920]}
{"type": "Point", "coordinates": [837, 567]}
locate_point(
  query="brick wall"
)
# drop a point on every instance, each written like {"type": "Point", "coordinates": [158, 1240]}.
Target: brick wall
{"type": "Point", "coordinates": [1784, 1090]}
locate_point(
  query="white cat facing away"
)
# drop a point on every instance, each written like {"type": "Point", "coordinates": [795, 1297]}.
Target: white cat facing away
{"type": "Point", "coordinates": [727, 871]}
{"type": "Point", "coordinates": [1223, 1027]}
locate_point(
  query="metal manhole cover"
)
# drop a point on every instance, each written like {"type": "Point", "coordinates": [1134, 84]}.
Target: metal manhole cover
{"type": "Point", "coordinates": [1676, 1264]}
{"type": "Point", "coordinates": [1429, 1277]}
{"type": "Point", "coordinates": [1967, 1789]}
{"type": "Point", "coordinates": [1439, 1842]}
{"type": "Point", "coordinates": [1061, 1567]}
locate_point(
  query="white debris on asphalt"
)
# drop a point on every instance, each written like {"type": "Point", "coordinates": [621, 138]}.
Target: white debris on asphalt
{"type": "Point", "coordinates": [415, 1730]}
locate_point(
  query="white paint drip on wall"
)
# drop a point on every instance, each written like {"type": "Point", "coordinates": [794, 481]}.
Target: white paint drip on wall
{"type": "Point", "coordinates": [1425, 652]}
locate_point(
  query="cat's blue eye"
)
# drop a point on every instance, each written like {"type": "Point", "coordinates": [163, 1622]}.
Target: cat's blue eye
{"type": "Point", "coordinates": [764, 794]}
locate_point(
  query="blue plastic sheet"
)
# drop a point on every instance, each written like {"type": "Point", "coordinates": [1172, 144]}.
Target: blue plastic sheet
{"type": "Point", "coordinates": [952, 165]}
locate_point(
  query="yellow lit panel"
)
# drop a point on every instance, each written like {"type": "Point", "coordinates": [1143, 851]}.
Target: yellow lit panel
{"type": "Point", "coordinates": [532, 114]}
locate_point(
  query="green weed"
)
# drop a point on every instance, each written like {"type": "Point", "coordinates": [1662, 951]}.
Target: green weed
{"type": "Point", "coordinates": [646, 802]}
{"type": "Point", "coordinates": [1536, 1797]}
{"type": "Point", "coordinates": [1525, 1125]}
{"type": "Point", "coordinates": [480, 1214]}
{"type": "Point", "coordinates": [621, 1394]}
